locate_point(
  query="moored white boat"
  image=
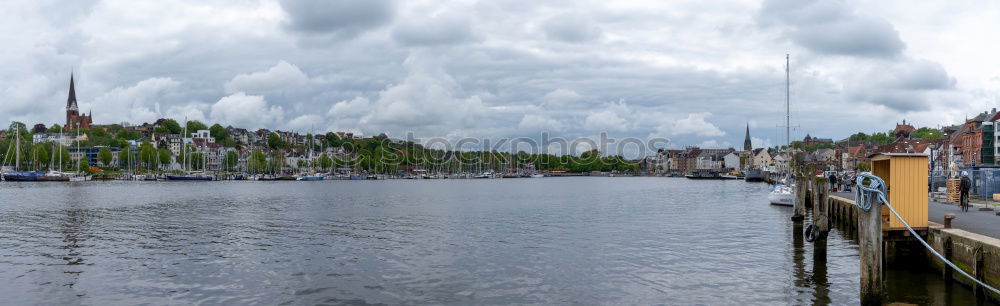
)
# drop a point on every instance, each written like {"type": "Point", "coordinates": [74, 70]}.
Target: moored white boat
{"type": "Point", "coordinates": [782, 195]}
{"type": "Point", "coordinates": [315, 177]}
{"type": "Point", "coordinates": [80, 178]}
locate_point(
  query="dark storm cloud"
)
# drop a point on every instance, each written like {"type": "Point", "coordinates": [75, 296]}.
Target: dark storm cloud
{"type": "Point", "coordinates": [831, 27]}
{"type": "Point", "coordinates": [339, 19]}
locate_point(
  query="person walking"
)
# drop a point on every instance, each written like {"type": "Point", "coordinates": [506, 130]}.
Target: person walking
{"type": "Point", "coordinates": [833, 182]}
{"type": "Point", "coordinates": [963, 186]}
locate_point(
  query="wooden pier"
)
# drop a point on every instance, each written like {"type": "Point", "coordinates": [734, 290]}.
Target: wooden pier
{"type": "Point", "coordinates": [884, 241]}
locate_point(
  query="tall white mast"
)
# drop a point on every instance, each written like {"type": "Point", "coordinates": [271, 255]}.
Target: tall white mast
{"type": "Point", "coordinates": [62, 137]}
{"type": "Point", "coordinates": [184, 146]}
{"type": "Point", "coordinates": [17, 149]}
{"type": "Point", "coordinates": [788, 125]}
{"type": "Point", "coordinates": [82, 156]}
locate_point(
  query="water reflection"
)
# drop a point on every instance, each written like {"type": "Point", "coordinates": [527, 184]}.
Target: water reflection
{"type": "Point", "coordinates": [815, 278]}
{"type": "Point", "coordinates": [74, 231]}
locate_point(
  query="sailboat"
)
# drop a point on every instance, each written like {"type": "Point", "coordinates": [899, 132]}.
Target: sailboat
{"type": "Point", "coordinates": [313, 176]}
{"type": "Point", "coordinates": [79, 176]}
{"type": "Point", "coordinates": [17, 174]}
{"type": "Point", "coordinates": [56, 175]}
{"type": "Point", "coordinates": [188, 175]}
{"type": "Point", "coordinates": [783, 194]}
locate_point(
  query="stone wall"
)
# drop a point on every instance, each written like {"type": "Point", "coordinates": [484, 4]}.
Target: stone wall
{"type": "Point", "coordinates": [975, 254]}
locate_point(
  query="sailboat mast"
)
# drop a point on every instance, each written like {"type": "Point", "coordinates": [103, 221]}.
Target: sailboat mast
{"type": "Point", "coordinates": [788, 125]}
{"type": "Point", "coordinates": [62, 136]}
{"type": "Point", "coordinates": [17, 148]}
{"type": "Point", "coordinates": [184, 146]}
{"type": "Point", "coordinates": [82, 156]}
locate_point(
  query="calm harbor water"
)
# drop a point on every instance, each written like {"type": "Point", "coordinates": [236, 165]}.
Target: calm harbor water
{"type": "Point", "coordinates": [505, 241]}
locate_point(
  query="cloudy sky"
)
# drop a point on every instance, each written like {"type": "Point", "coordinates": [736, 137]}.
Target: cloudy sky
{"type": "Point", "coordinates": [694, 71]}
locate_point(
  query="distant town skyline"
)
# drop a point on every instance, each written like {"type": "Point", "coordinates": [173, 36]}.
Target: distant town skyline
{"type": "Point", "coordinates": [697, 73]}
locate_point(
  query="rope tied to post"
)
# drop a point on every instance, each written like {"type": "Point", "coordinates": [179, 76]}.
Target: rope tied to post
{"type": "Point", "coordinates": [866, 194]}
{"type": "Point", "coordinates": [871, 188]}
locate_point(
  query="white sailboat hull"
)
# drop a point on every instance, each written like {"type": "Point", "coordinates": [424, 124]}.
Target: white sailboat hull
{"type": "Point", "coordinates": [80, 178]}
{"type": "Point", "coordinates": [782, 195]}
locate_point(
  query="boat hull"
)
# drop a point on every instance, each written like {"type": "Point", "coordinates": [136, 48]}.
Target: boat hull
{"type": "Point", "coordinates": [781, 196]}
{"type": "Point", "coordinates": [187, 178]}
{"type": "Point", "coordinates": [80, 178]}
{"type": "Point", "coordinates": [310, 178]}
{"type": "Point", "coordinates": [705, 176]}
{"type": "Point", "coordinates": [23, 176]}
{"type": "Point", "coordinates": [754, 176]}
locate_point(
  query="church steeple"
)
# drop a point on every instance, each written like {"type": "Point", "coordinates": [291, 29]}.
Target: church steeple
{"type": "Point", "coordinates": [71, 100]}
{"type": "Point", "coordinates": [747, 145]}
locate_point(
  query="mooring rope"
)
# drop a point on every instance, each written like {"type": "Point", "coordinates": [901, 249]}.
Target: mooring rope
{"type": "Point", "coordinates": [866, 194]}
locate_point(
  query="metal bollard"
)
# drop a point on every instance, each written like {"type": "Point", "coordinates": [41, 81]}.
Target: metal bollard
{"type": "Point", "coordinates": [947, 220]}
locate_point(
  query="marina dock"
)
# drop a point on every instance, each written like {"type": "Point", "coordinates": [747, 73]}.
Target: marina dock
{"type": "Point", "coordinates": [968, 239]}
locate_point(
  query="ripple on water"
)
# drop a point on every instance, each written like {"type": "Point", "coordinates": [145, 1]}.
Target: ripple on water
{"type": "Point", "coordinates": [548, 241]}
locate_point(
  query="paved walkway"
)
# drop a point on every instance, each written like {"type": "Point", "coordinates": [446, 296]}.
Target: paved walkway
{"type": "Point", "coordinates": [980, 222]}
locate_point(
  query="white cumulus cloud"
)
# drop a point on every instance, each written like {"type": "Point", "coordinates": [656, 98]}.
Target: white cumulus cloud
{"type": "Point", "coordinates": [135, 104]}
{"type": "Point", "coordinates": [242, 110]}
{"type": "Point", "coordinates": [695, 124]}
{"type": "Point", "coordinates": [282, 77]}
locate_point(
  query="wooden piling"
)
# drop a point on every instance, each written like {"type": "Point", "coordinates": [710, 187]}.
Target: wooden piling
{"type": "Point", "coordinates": [946, 272]}
{"type": "Point", "coordinates": [819, 218]}
{"type": "Point", "coordinates": [801, 186]}
{"type": "Point", "coordinates": [870, 251]}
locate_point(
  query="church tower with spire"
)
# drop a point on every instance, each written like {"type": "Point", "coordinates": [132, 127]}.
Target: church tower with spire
{"type": "Point", "coordinates": [74, 120]}
{"type": "Point", "coordinates": [747, 145]}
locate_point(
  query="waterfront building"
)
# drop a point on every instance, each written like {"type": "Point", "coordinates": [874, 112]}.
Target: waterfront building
{"type": "Point", "coordinates": [903, 130]}
{"type": "Point", "coordinates": [782, 163]}
{"type": "Point", "coordinates": [707, 160]}
{"type": "Point", "coordinates": [712, 159]}
{"type": "Point", "coordinates": [38, 137]}
{"type": "Point", "coordinates": [991, 140]}
{"type": "Point", "coordinates": [762, 158]}
{"type": "Point", "coordinates": [732, 160]}
{"type": "Point", "coordinates": [144, 130]}
{"type": "Point", "coordinates": [673, 161]}
{"type": "Point", "coordinates": [64, 139]}
{"type": "Point", "coordinates": [171, 142]}
{"type": "Point", "coordinates": [90, 153]}
{"type": "Point", "coordinates": [809, 140]}
{"type": "Point", "coordinates": [261, 137]}
{"type": "Point", "coordinates": [241, 136]}
{"type": "Point", "coordinates": [204, 143]}
{"type": "Point", "coordinates": [649, 164]}
{"type": "Point", "coordinates": [293, 157]}
{"type": "Point", "coordinates": [955, 143]}
{"type": "Point", "coordinates": [824, 155]}
{"type": "Point", "coordinates": [969, 139]}
{"type": "Point", "coordinates": [74, 119]}
{"type": "Point", "coordinates": [689, 159]}
{"type": "Point", "coordinates": [987, 147]}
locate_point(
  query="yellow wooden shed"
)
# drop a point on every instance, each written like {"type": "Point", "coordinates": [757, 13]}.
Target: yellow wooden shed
{"type": "Point", "coordinates": [905, 176]}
